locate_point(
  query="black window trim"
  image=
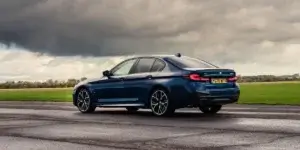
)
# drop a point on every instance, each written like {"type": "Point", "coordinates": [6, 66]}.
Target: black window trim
{"type": "Point", "coordinates": [124, 61]}
{"type": "Point", "coordinates": [173, 64]}
{"type": "Point", "coordinates": [157, 59]}
{"type": "Point", "coordinates": [134, 66]}
{"type": "Point", "coordinates": [138, 60]}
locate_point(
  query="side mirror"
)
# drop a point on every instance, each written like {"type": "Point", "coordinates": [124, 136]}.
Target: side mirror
{"type": "Point", "coordinates": [107, 73]}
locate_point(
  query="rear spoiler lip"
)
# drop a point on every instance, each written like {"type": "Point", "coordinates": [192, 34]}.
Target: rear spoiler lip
{"type": "Point", "coordinates": [226, 72]}
{"type": "Point", "coordinates": [196, 69]}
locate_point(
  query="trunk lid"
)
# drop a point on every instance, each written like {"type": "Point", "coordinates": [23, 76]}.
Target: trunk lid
{"type": "Point", "coordinates": [213, 72]}
{"type": "Point", "coordinates": [215, 78]}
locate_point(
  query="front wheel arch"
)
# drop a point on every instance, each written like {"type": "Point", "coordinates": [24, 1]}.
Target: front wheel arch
{"type": "Point", "coordinates": [76, 93]}
{"type": "Point", "coordinates": [90, 108]}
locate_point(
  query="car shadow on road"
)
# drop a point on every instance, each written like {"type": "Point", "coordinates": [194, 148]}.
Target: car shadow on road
{"type": "Point", "coordinates": [148, 114]}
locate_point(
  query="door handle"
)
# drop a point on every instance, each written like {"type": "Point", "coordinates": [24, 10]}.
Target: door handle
{"type": "Point", "coordinates": [149, 76]}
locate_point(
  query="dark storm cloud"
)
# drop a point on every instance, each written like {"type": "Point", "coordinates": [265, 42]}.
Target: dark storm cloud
{"type": "Point", "coordinates": [223, 29]}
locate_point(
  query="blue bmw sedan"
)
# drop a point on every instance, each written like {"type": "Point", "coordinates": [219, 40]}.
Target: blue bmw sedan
{"type": "Point", "coordinates": [160, 83]}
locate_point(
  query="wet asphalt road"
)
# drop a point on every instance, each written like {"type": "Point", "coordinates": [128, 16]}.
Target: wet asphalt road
{"type": "Point", "coordinates": [59, 126]}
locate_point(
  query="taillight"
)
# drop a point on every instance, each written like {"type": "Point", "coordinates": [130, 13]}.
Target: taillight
{"type": "Point", "coordinates": [233, 79]}
{"type": "Point", "coordinates": [196, 77]}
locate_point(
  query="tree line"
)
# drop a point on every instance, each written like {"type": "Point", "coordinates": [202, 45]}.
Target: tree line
{"type": "Point", "coordinates": [269, 78]}
{"type": "Point", "coordinates": [39, 84]}
{"type": "Point", "coordinates": [72, 82]}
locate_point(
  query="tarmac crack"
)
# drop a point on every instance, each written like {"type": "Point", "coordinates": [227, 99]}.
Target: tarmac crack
{"type": "Point", "coordinates": [5, 129]}
{"type": "Point", "coordinates": [90, 142]}
{"type": "Point", "coordinates": [177, 136]}
{"type": "Point", "coordinates": [247, 145]}
{"type": "Point", "coordinates": [113, 122]}
{"type": "Point", "coordinates": [148, 145]}
{"type": "Point", "coordinates": [157, 143]}
{"type": "Point", "coordinates": [130, 139]}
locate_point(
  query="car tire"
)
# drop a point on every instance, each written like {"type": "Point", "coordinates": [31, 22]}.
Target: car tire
{"type": "Point", "coordinates": [160, 103]}
{"type": "Point", "coordinates": [210, 109]}
{"type": "Point", "coordinates": [84, 101]}
{"type": "Point", "coordinates": [132, 109]}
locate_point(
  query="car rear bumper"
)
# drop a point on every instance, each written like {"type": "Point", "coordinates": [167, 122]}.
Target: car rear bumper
{"type": "Point", "coordinates": [217, 98]}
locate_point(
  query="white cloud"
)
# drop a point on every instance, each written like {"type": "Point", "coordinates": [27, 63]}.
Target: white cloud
{"type": "Point", "coordinates": [252, 36]}
{"type": "Point", "coordinates": [18, 64]}
{"type": "Point", "coordinates": [285, 62]}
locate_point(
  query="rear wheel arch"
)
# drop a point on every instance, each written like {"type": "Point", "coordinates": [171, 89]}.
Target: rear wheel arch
{"type": "Point", "coordinates": [169, 109]}
{"type": "Point", "coordinates": [159, 86]}
{"type": "Point", "coordinates": [155, 87]}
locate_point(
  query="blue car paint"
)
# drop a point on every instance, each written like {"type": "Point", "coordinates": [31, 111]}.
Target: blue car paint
{"type": "Point", "coordinates": [135, 89]}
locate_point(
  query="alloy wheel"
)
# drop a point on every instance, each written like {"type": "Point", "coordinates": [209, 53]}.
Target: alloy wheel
{"type": "Point", "coordinates": [159, 102]}
{"type": "Point", "coordinates": [83, 100]}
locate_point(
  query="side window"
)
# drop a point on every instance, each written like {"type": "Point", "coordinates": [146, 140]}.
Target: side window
{"type": "Point", "coordinates": [144, 65]}
{"type": "Point", "coordinates": [158, 66]}
{"type": "Point", "coordinates": [124, 68]}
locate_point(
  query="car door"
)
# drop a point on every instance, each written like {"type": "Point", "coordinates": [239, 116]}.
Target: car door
{"type": "Point", "coordinates": [110, 90]}
{"type": "Point", "coordinates": [138, 83]}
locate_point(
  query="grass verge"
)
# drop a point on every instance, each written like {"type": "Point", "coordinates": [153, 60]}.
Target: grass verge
{"type": "Point", "coordinates": [40, 94]}
{"type": "Point", "coordinates": [269, 93]}
{"type": "Point", "coordinates": [251, 93]}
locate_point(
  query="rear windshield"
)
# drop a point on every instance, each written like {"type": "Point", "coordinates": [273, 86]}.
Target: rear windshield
{"type": "Point", "coordinates": [188, 62]}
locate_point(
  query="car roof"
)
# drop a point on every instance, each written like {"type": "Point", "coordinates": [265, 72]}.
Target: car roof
{"type": "Point", "coordinates": [157, 56]}
{"type": "Point", "coordinates": [153, 55]}
{"type": "Point", "coordinates": [162, 56]}
{"type": "Point", "coordinates": [169, 56]}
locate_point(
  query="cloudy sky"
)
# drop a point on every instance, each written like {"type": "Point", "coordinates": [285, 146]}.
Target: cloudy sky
{"type": "Point", "coordinates": [60, 39]}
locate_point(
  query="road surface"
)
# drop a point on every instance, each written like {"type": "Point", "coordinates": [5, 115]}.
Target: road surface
{"type": "Point", "coordinates": [59, 126]}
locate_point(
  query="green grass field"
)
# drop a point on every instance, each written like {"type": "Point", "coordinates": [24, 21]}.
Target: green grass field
{"type": "Point", "coordinates": [40, 94]}
{"type": "Point", "coordinates": [251, 93]}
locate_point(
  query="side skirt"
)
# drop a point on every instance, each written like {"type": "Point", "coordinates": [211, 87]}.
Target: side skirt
{"type": "Point", "coordinates": [120, 105]}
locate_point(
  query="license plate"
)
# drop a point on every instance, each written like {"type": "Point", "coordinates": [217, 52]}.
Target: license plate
{"type": "Point", "coordinates": [217, 81]}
